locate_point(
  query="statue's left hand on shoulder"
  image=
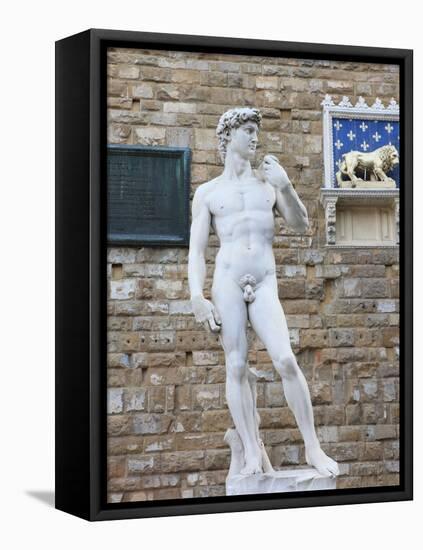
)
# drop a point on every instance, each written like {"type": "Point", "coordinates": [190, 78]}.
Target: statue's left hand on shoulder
{"type": "Point", "coordinates": [274, 173]}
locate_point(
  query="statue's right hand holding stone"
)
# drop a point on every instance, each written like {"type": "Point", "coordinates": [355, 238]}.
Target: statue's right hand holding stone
{"type": "Point", "coordinates": [205, 312]}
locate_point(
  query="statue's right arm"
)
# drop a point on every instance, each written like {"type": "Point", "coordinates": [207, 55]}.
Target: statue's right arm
{"type": "Point", "coordinates": [200, 227]}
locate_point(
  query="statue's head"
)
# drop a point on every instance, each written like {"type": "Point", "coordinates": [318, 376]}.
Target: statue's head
{"type": "Point", "coordinates": [389, 156]}
{"type": "Point", "coordinates": [231, 121]}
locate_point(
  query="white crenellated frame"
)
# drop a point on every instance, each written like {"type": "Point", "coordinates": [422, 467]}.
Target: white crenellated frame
{"type": "Point", "coordinates": [345, 109]}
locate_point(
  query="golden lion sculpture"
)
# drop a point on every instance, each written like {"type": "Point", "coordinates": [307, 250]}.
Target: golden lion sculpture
{"type": "Point", "coordinates": [363, 168]}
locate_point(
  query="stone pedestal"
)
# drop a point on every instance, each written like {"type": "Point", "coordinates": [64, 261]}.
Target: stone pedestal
{"type": "Point", "coordinates": [282, 481]}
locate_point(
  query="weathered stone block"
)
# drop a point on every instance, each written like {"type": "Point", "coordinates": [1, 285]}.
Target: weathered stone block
{"type": "Point", "coordinates": [153, 444]}
{"type": "Point", "coordinates": [155, 74]}
{"type": "Point", "coordinates": [372, 450]}
{"type": "Point", "coordinates": [114, 400]}
{"type": "Point", "coordinates": [187, 422]}
{"type": "Point", "coordinates": [143, 464]}
{"type": "Point", "coordinates": [217, 459]}
{"type": "Point", "coordinates": [327, 434]}
{"type": "Point", "coordinates": [312, 145]}
{"type": "Point", "coordinates": [135, 399]}
{"type": "Point", "coordinates": [116, 467]}
{"type": "Point", "coordinates": [150, 136]}
{"type": "Point", "coordinates": [119, 133]}
{"type": "Point", "coordinates": [386, 431]}
{"type": "Point", "coordinates": [128, 72]}
{"type": "Point", "coordinates": [352, 288]}
{"type": "Point", "coordinates": [125, 445]}
{"type": "Point", "coordinates": [353, 414]}
{"type": "Point", "coordinates": [374, 288]}
{"type": "Point", "coordinates": [350, 433]}
{"type": "Point", "coordinates": [157, 399]}
{"type": "Point", "coordinates": [373, 413]}
{"type": "Point", "coordinates": [187, 76]}
{"type": "Point", "coordinates": [182, 461]}
{"type": "Point", "coordinates": [345, 451]}
{"type": "Point", "coordinates": [179, 137]}
{"type": "Point", "coordinates": [122, 290]}
{"type": "Point", "coordinates": [216, 421]}
{"type": "Point", "coordinates": [274, 396]}
{"type": "Point", "coordinates": [325, 271]}
{"type": "Point", "coordinates": [321, 393]}
{"type": "Point", "coordinates": [276, 418]}
{"type": "Point", "coordinates": [369, 390]}
{"type": "Point", "coordinates": [205, 139]}
{"type": "Point", "coordinates": [143, 91]}
{"type": "Point", "coordinates": [341, 337]}
{"type": "Point", "coordinates": [205, 358]}
{"type": "Point", "coordinates": [390, 337]}
{"type": "Point", "coordinates": [117, 88]}
{"type": "Point", "coordinates": [291, 289]}
{"type": "Point", "coordinates": [151, 423]}
{"type": "Point", "coordinates": [134, 496]}
{"type": "Point", "coordinates": [118, 425]}
{"type": "Point", "coordinates": [129, 341]}
{"type": "Point", "coordinates": [267, 82]}
{"type": "Point", "coordinates": [314, 338]}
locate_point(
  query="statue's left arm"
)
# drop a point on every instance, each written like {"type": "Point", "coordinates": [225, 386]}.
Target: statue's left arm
{"type": "Point", "coordinates": [288, 203]}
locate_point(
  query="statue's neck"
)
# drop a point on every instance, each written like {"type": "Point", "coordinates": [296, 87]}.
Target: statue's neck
{"type": "Point", "coordinates": [236, 167]}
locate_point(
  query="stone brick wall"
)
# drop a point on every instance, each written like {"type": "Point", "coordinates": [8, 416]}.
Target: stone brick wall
{"type": "Point", "coordinates": [167, 412]}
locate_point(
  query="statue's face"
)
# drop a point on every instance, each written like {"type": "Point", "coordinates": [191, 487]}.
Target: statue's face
{"type": "Point", "coordinates": [244, 140]}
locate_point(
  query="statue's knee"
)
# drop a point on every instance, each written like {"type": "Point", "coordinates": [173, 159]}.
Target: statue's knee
{"type": "Point", "coordinates": [286, 365]}
{"type": "Point", "coordinates": [236, 366]}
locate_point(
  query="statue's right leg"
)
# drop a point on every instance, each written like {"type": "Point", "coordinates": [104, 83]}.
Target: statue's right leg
{"type": "Point", "coordinates": [229, 301]}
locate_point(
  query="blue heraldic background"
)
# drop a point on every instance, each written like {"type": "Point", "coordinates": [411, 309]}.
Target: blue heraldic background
{"type": "Point", "coordinates": [364, 136]}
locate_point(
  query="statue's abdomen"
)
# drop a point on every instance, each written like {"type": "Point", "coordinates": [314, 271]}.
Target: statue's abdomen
{"type": "Point", "coordinates": [246, 245]}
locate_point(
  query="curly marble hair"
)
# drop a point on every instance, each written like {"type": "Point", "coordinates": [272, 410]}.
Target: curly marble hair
{"type": "Point", "coordinates": [234, 118]}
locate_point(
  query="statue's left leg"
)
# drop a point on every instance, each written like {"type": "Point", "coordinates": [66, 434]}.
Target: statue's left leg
{"type": "Point", "coordinates": [268, 321]}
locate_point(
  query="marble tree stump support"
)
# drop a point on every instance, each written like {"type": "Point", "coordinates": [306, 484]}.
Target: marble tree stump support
{"type": "Point", "coordinates": [239, 204]}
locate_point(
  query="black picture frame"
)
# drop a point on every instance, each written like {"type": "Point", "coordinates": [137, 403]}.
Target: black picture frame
{"type": "Point", "coordinates": [81, 264]}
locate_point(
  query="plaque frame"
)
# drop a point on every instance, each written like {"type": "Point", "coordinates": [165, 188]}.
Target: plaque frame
{"type": "Point", "coordinates": [143, 238]}
{"type": "Point", "coordinates": [81, 287]}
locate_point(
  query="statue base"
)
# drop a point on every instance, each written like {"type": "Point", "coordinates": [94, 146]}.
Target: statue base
{"type": "Point", "coordinates": [371, 184]}
{"type": "Point", "coordinates": [281, 481]}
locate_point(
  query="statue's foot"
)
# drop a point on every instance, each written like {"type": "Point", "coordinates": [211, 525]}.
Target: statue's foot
{"type": "Point", "coordinates": [321, 461]}
{"type": "Point", "coordinates": [253, 465]}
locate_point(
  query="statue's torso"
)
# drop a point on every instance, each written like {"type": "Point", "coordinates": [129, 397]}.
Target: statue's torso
{"type": "Point", "coordinates": [243, 219]}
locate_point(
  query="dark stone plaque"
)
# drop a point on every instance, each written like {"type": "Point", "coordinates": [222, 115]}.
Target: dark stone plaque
{"type": "Point", "coordinates": [148, 195]}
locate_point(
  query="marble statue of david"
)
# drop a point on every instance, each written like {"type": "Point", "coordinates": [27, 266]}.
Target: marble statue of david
{"type": "Point", "coordinates": [239, 205]}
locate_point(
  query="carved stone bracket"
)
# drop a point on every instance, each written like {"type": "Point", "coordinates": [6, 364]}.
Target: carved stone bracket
{"type": "Point", "coordinates": [397, 219]}
{"type": "Point", "coordinates": [329, 204]}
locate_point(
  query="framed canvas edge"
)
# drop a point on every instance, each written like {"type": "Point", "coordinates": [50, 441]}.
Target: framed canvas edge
{"type": "Point", "coordinates": [94, 506]}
